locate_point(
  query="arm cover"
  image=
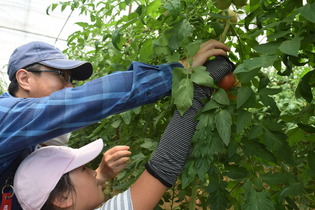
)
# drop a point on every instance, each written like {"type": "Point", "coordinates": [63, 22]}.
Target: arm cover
{"type": "Point", "coordinates": [170, 157]}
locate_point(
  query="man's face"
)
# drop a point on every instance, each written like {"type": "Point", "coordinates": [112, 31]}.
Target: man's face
{"type": "Point", "coordinates": [47, 82]}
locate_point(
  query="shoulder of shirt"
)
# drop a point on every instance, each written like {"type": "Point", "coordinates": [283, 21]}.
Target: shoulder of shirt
{"type": "Point", "coordinates": [122, 200]}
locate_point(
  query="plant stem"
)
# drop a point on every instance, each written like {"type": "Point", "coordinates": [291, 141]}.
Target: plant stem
{"type": "Point", "coordinates": [192, 202]}
{"type": "Point", "coordinates": [226, 28]}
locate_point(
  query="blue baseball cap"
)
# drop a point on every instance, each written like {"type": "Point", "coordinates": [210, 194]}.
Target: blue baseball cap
{"type": "Point", "coordinates": [47, 55]}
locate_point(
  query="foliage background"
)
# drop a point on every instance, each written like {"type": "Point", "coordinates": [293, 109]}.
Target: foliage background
{"type": "Point", "coordinates": [254, 146]}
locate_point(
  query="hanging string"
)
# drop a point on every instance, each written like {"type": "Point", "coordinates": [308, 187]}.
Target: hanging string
{"type": "Point", "coordinates": [57, 38]}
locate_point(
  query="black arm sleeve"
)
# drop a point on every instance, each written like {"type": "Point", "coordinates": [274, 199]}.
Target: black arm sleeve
{"type": "Point", "coordinates": [171, 154]}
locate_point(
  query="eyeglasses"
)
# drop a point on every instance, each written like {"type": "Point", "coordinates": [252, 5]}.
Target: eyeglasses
{"type": "Point", "coordinates": [66, 77]}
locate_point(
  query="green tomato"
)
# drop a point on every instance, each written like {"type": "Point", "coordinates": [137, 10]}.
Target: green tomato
{"type": "Point", "coordinates": [222, 4]}
{"type": "Point", "coordinates": [239, 3]}
{"type": "Point", "coordinates": [233, 16]}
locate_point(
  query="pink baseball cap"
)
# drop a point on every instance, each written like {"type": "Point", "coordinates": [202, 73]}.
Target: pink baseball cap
{"type": "Point", "coordinates": [39, 173]}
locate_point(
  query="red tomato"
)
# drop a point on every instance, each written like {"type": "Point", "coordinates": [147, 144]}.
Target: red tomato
{"type": "Point", "coordinates": [227, 82]}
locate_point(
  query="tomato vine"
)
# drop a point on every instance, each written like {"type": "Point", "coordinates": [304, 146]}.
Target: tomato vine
{"type": "Point", "coordinates": [254, 151]}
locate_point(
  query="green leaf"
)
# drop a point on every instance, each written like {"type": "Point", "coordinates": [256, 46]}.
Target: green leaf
{"type": "Point", "coordinates": [264, 60]}
{"type": "Point", "coordinates": [205, 120]}
{"type": "Point", "coordinates": [202, 166]}
{"type": "Point", "coordinates": [216, 145]}
{"type": "Point", "coordinates": [243, 95]}
{"type": "Point", "coordinates": [272, 125]}
{"type": "Point", "coordinates": [304, 89]}
{"type": "Point", "coordinates": [210, 105]}
{"type": "Point", "coordinates": [173, 57]}
{"type": "Point", "coordinates": [189, 173]}
{"type": "Point", "coordinates": [295, 135]}
{"type": "Point", "coordinates": [138, 158]}
{"type": "Point", "coordinates": [291, 203]}
{"type": "Point", "coordinates": [82, 24]}
{"type": "Point", "coordinates": [311, 161]}
{"type": "Point", "coordinates": [149, 144]}
{"type": "Point", "coordinates": [243, 119]}
{"type": "Point", "coordinates": [257, 200]}
{"type": "Point", "coordinates": [307, 128]}
{"type": "Point", "coordinates": [277, 178]}
{"type": "Point", "coordinates": [116, 124]}
{"type": "Point", "coordinates": [269, 91]}
{"type": "Point", "coordinates": [178, 32]}
{"type": "Point", "coordinates": [174, 7]}
{"type": "Point", "coordinates": [267, 48]}
{"type": "Point", "coordinates": [191, 49]}
{"type": "Point", "coordinates": [292, 190]}
{"type": "Point", "coordinates": [236, 172]}
{"type": "Point", "coordinates": [221, 97]}
{"type": "Point", "coordinates": [223, 122]}
{"type": "Point", "coordinates": [276, 36]}
{"type": "Point", "coordinates": [291, 47]}
{"type": "Point", "coordinates": [274, 140]}
{"type": "Point", "coordinates": [255, 131]}
{"type": "Point", "coordinates": [218, 195]}
{"type": "Point", "coordinates": [116, 38]}
{"type": "Point", "coordinates": [178, 75]}
{"type": "Point", "coordinates": [184, 95]}
{"type": "Point", "coordinates": [246, 77]}
{"type": "Point", "coordinates": [252, 148]}
{"type": "Point", "coordinates": [201, 77]}
{"type": "Point", "coordinates": [307, 11]}
{"type": "Point", "coordinates": [126, 116]}
{"type": "Point", "coordinates": [139, 10]}
{"type": "Point", "coordinates": [153, 7]}
{"type": "Point", "coordinates": [146, 50]}
{"type": "Point", "coordinates": [269, 101]}
{"type": "Point", "coordinates": [117, 34]}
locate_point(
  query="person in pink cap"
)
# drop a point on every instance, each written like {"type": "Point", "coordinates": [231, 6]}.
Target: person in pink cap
{"type": "Point", "coordinates": [56, 177]}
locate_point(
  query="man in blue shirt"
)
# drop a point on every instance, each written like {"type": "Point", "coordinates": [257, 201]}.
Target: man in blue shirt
{"type": "Point", "coordinates": [42, 103]}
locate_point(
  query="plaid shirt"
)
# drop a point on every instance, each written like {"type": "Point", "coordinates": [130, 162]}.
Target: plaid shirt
{"type": "Point", "coordinates": [26, 122]}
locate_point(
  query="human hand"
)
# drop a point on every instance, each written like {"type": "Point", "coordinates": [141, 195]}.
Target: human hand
{"type": "Point", "coordinates": [206, 50]}
{"type": "Point", "coordinates": [114, 160]}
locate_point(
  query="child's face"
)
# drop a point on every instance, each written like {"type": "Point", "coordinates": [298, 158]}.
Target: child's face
{"type": "Point", "coordinates": [89, 192]}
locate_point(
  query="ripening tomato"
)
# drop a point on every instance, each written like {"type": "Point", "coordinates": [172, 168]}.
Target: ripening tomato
{"type": "Point", "coordinates": [228, 82]}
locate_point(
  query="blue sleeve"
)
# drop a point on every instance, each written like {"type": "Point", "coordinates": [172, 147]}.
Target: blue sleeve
{"type": "Point", "coordinates": [25, 122]}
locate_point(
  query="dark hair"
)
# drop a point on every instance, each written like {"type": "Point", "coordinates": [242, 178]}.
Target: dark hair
{"type": "Point", "coordinates": [14, 85]}
{"type": "Point", "coordinates": [64, 185]}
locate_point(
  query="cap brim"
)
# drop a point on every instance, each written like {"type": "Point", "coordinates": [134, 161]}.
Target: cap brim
{"type": "Point", "coordinates": [80, 70]}
{"type": "Point", "coordinates": [86, 154]}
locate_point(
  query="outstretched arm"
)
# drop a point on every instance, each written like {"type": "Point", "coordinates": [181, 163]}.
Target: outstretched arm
{"type": "Point", "coordinates": [167, 163]}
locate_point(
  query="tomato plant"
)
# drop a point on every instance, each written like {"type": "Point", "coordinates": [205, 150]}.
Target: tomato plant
{"type": "Point", "coordinates": [254, 151]}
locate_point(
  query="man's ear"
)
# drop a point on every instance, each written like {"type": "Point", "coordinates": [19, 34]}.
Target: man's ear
{"type": "Point", "coordinates": [63, 201]}
{"type": "Point", "coordinates": [22, 76]}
